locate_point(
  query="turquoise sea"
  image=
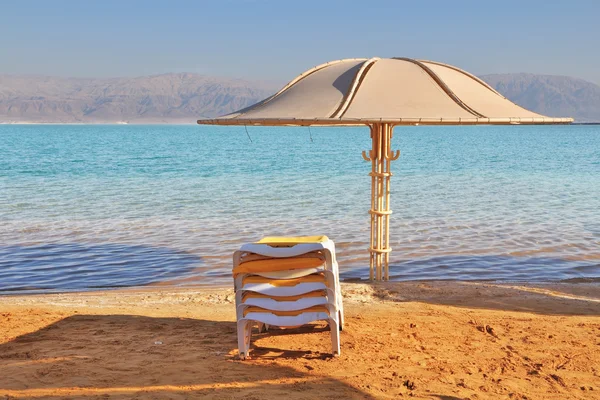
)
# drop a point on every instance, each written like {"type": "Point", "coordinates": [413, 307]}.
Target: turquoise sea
{"type": "Point", "coordinates": [89, 206]}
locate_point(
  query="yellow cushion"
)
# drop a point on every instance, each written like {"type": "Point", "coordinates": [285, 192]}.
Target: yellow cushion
{"type": "Point", "coordinates": [319, 278]}
{"type": "Point", "coordinates": [246, 257]}
{"type": "Point", "coordinates": [322, 309]}
{"type": "Point", "coordinates": [277, 264]}
{"type": "Point", "coordinates": [287, 241]}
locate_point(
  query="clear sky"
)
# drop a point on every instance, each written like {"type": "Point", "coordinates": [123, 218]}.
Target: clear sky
{"type": "Point", "coordinates": [278, 39]}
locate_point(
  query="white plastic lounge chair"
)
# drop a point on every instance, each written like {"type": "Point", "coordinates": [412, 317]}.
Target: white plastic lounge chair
{"type": "Point", "coordinates": [287, 282]}
{"type": "Point", "coordinates": [286, 319]}
{"type": "Point", "coordinates": [289, 258]}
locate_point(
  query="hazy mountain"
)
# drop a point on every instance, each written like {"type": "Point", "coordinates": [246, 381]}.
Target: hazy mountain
{"type": "Point", "coordinates": [183, 98]}
{"type": "Point", "coordinates": [161, 98]}
{"type": "Point", "coordinates": [555, 96]}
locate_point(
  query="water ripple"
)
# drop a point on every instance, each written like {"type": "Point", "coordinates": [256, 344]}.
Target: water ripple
{"type": "Point", "coordinates": [105, 206]}
{"type": "Point", "coordinates": [75, 266]}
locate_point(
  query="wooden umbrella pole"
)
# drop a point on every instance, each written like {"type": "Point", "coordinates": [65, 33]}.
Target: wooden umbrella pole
{"type": "Point", "coordinates": [372, 158]}
{"type": "Point", "coordinates": [388, 162]}
{"type": "Point", "coordinates": [380, 157]}
{"type": "Point", "coordinates": [385, 180]}
{"type": "Point", "coordinates": [379, 200]}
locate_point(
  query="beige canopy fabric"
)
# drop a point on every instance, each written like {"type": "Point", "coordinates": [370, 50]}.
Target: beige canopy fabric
{"type": "Point", "coordinates": [395, 91]}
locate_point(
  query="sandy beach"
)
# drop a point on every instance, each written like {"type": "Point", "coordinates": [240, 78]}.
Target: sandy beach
{"type": "Point", "coordinates": [425, 340]}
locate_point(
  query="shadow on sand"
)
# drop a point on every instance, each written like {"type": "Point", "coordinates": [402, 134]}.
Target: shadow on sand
{"type": "Point", "coordinates": [126, 356]}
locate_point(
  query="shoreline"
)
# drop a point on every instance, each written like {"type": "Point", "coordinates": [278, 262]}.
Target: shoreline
{"type": "Point", "coordinates": [419, 339]}
{"type": "Point", "coordinates": [582, 298]}
{"type": "Point", "coordinates": [166, 286]}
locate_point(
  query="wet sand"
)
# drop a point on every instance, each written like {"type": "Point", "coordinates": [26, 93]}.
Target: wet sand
{"type": "Point", "coordinates": [425, 340]}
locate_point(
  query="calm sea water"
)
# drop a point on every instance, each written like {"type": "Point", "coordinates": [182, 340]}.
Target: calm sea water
{"type": "Point", "coordinates": [86, 207]}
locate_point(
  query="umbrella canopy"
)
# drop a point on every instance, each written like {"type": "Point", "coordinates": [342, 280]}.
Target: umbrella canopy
{"type": "Point", "coordinates": [399, 91]}
{"type": "Point", "coordinates": [382, 93]}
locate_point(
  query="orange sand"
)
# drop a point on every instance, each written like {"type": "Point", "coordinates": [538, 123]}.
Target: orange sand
{"type": "Point", "coordinates": [422, 340]}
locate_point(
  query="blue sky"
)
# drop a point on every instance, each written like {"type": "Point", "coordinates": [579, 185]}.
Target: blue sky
{"type": "Point", "coordinates": [276, 40]}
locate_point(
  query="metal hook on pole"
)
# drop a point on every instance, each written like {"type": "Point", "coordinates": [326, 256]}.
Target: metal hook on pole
{"type": "Point", "coordinates": [391, 155]}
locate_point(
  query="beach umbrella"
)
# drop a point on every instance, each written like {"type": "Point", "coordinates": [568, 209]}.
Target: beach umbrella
{"type": "Point", "coordinates": [382, 93]}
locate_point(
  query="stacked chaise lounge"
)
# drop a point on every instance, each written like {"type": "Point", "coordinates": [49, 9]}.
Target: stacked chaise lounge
{"type": "Point", "coordinates": [287, 282]}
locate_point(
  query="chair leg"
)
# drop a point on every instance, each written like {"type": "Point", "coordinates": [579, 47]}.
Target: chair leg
{"type": "Point", "coordinates": [249, 337]}
{"type": "Point", "coordinates": [335, 336]}
{"type": "Point", "coordinates": [262, 327]}
{"type": "Point", "coordinates": [244, 331]}
{"type": "Point", "coordinates": [341, 308]}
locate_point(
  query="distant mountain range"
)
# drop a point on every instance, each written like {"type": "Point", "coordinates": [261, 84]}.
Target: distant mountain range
{"type": "Point", "coordinates": [185, 97]}
{"type": "Point", "coordinates": [555, 96]}
{"type": "Point", "coordinates": [176, 98]}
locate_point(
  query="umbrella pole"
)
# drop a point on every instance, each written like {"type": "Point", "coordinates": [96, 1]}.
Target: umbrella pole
{"type": "Point", "coordinates": [373, 202]}
{"type": "Point", "coordinates": [378, 243]}
{"type": "Point", "coordinates": [380, 157]}
{"type": "Point", "coordinates": [386, 244]}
